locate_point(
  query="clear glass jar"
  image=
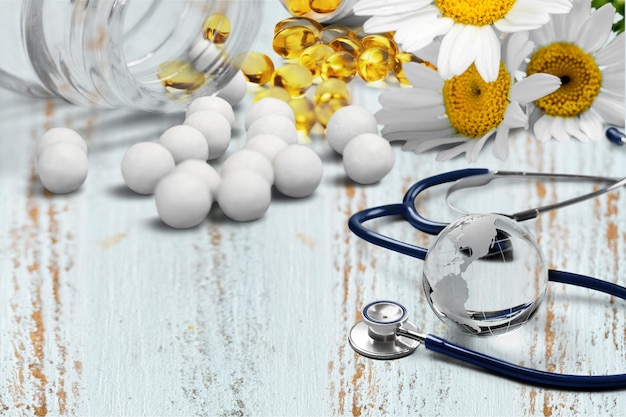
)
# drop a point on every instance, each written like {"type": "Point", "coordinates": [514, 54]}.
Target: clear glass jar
{"type": "Point", "coordinates": [107, 53]}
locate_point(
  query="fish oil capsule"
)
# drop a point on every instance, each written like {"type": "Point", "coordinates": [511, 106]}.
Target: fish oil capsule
{"type": "Point", "coordinates": [304, 111]}
{"type": "Point", "coordinates": [340, 65]}
{"type": "Point", "coordinates": [324, 6]}
{"type": "Point", "coordinates": [216, 28]}
{"type": "Point", "coordinates": [330, 89]}
{"type": "Point", "coordinates": [311, 24]}
{"type": "Point", "coordinates": [291, 41]}
{"type": "Point", "coordinates": [180, 75]}
{"type": "Point", "coordinates": [313, 56]}
{"type": "Point", "coordinates": [298, 7]}
{"type": "Point", "coordinates": [275, 92]}
{"type": "Point", "coordinates": [331, 32]}
{"type": "Point", "coordinates": [399, 60]}
{"type": "Point", "coordinates": [326, 109]}
{"type": "Point", "coordinates": [257, 68]}
{"type": "Point", "coordinates": [374, 64]}
{"type": "Point", "coordinates": [348, 44]}
{"type": "Point", "coordinates": [294, 78]}
{"type": "Point", "coordinates": [383, 41]}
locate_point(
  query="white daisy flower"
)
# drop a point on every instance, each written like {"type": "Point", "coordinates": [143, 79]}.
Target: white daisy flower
{"type": "Point", "coordinates": [460, 114]}
{"type": "Point", "coordinates": [575, 49]}
{"type": "Point", "coordinates": [469, 27]}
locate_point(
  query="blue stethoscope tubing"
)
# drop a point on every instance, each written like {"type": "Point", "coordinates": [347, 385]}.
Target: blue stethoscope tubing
{"type": "Point", "coordinates": [407, 210]}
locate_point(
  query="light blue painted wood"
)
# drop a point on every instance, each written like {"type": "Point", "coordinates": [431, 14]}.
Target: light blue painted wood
{"type": "Point", "coordinates": [105, 311]}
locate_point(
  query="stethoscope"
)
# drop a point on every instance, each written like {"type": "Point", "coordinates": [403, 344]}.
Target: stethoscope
{"type": "Point", "coordinates": [386, 333]}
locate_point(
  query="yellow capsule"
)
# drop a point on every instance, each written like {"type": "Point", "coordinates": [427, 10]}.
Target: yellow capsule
{"type": "Point", "coordinates": [291, 41]}
{"type": "Point", "coordinates": [257, 67]}
{"type": "Point", "coordinates": [304, 111]}
{"type": "Point", "coordinates": [332, 88]}
{"type": "Point", "coordinates": [216, 28]}
{"type": "Point", "coordinates": [347, 44]}
{"type": "Point", "coordinates": [374, 64]}
{"type": "Point", "coordinates": [383, 41]}
{"type": "Point", "coordinates": [180, 75]}
{"type": "Point", "coordinates": [340, 65]}
{"type": "Point", "coordinates": [331, 32]}
{"type": "Point", "coordinates": [298, 7]}
{"type": "Point", "coordinates": [311, 24]}
{"type": "Point", "coordinates": [402, 58]}
{"type": "Point", "coordinates": [275, 92]}
{"type": "Point", "coordinates": [294, 78]}
{"type": "Point", "coordinates": [324, 6]}
{"type": "Point", "coordinates": [325, 110]}
{"type": "Point", "coordinates": [313, 56]}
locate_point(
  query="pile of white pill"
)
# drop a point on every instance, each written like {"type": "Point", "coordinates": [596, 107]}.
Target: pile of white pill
{"type": "Point", "coordinates": [178, 168]}
{"type": "Point", "coordinates": [61, 160]}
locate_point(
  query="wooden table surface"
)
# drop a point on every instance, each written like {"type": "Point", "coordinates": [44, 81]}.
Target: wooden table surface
{"type": "Point", "coordinates": [106, 311]}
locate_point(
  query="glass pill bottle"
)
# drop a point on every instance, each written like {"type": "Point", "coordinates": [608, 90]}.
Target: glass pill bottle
{"type": "Point", "coordinates": [323, 11]}
{"type": "Point", "coordinates": [152, 55]}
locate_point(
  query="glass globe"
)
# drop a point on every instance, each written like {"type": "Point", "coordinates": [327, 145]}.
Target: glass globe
{"type": "Point", "coordinates": [485, 274]}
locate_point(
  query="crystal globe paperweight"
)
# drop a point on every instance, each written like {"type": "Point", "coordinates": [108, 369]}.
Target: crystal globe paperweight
{"type": "Point", "coordinates": [485, 274]}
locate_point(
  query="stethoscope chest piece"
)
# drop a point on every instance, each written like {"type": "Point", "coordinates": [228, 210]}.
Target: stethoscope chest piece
{"type": "Point", "coordinates": [376, 336]}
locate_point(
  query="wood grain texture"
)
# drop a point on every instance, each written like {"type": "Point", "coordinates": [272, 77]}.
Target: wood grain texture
{"type": "Point", "coordinates": [105, 311]}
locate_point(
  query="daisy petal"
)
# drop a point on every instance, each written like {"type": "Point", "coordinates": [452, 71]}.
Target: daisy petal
{"type": "Point", "coordinates": [542, 128]}
{"type": "Point", "coordinates": [456, 151]}
{"type": "Point", "coordinates": [613, 53]}
{"type": "Point", "coordinates": [534, 87]}
{"type": "Point", "coordinates": [418, 39]}
{"type": "Point", "coordinates": [572, 129]}
{"type": "Point", "coordinates": [515, 117]}
{"type": "Point", "coordinates": [419, 146]}
{"type": "Point", "coordinates": [459, 49]}
{"type": "Point", "coordinates": [591, 125]}
{"type": "Point", "coordinates": [576, 18]}
{"type": "Point", "coordinates": [594, 33]}
{"type": "Point", "coordinates": [415, 136]}
{"type": "Point", "coordinates": [612, 111]}
{"type": "Point", "coordinates": [411, 124]}
{"type": "Point", "coordinates": [422, 115]}
{"type": "Point", "coordinates": [501, 144]}
{"type": "Point", "coordinates": [553, 6]}
{"type": "Point", "coordinates": [518, 47]}
{"type": "Point", "coordinates": [388, 7]}
{"type": "Point", "coordinates": [557, 130]}
{"type": "Point", "coordinates": [523, 16]}
{"type": "Point", "coordinates": [378, 24]}
{"type": "Point", "coordinates": [394, 101]}
{"type": "Point", "coordinates": [488, 58]}
{"type": "Point", "coordinates": [421, 75]}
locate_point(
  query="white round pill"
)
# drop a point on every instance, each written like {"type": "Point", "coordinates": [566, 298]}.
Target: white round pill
{"type": "Point", "coordinates": [62, 167]}
{"type": "Point", "coordinates": [214, 127]}
{"type": "Point", "coordinates": [268, 105]}
{"type": "Point", "coordinates": [60, 134]}
{"type": "Point", "coordinates": [297, 171]}
{"type": "Point", "coordinates": [247, 159]}
{"type": "Point", "coordinates": [275, 124]}
{"type": "Point", "coordinates": [245, 195]}
{"type": "Point", "coordinates": [213, 103]}
{"type": "Point", "coordinates": [235, 90]}
{"type": "Point", "coordinates": [348, 122]}
{"type": "Point", "coordinates": [266, 144]}
{"type": "Point", "coordinates": [185, 142]}
{"type": "Point", "coordinates": [182, 200]}
{"type": "Point", "coordinates": [367, 158]}
{"type": "Point", "coordinates": [144, 164]}
{"type": "Point", "coordinates": [204, 171]}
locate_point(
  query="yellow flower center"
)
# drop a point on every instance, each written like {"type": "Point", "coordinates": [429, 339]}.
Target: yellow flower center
{"type": "Point", "coordinates": [475, 12]}
{"type": "Point", "coordinates": [580, 76]}
{"type": "Point", "coordinates": [475, 107]}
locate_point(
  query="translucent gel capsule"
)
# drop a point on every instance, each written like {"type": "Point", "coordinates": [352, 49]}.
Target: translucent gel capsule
{"type": "Point", "coordinates": [313, 56]}
{"type": "Point", "coordinates": [291, 41]}
{"type": "Point", "coordinates": [311, 24]}
{"type": "Point", "coordinates": [374, 64]}
{"type": "Point", "coordinates": [402, 58]}
{"type": "Point", "coordinates": [331, 32]}
{"type": "Point", "coordinates": [332, 88]}
{"type": "Point", "coordinates": [324, 6]}
{"type": "Point", "coordinates": [348, 44]}
{"type": "Point", "coordinates": [275, 92]}
{"type": "Point", "coordinates": [216, 28]}
{"type": "Point", "coordinates": [180, 75]}
{"type": "Point", "coordinates": [257, 67]}
{"type": "Point", "coordinates": [298, 7]}
{"type": "Point", "coordinates": [304, 111]}
{"type": "Point", "coordinates": [340, 65]}
{"type": "Point", "coordinates": [384, 41]}
{"type": "Point", "coordinates": [325, 110]}
{"type": "Point", "coordinates": [294, 78]}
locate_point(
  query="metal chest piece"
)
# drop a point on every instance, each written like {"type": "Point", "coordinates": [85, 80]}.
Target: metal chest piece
{"type": "Point", "coordinates": [376, 336]}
